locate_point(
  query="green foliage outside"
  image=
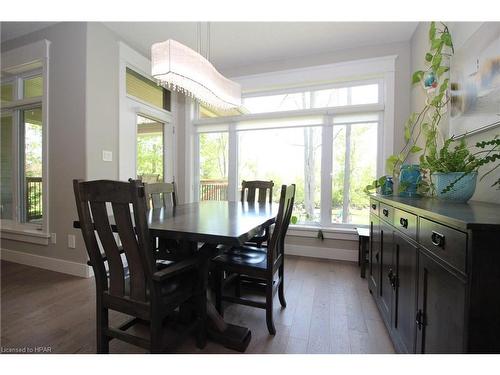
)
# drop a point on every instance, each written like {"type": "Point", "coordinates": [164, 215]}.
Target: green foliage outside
{"type": "Point", "coordinates": [307, 176]}
{"type": "Point", "coordinates": [150, 154]}
{"type": "Point", "coordinates": [214, 148]}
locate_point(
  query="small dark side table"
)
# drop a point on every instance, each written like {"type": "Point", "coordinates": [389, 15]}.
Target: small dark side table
{"type": "Point", "coordinates": [364, 237]}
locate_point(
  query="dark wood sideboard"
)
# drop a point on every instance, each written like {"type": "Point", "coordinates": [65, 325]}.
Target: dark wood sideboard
{"type": "Point", "coordinates": [434, 272]}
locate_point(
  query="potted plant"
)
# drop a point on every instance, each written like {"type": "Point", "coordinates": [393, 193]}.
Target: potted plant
{"type": "Point", "coordinates": [444, 171]}
{"type": "Point", "coordinates": [454, 168]}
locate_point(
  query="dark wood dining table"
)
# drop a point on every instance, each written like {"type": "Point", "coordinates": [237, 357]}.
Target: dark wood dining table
{"type": "Point", "coordinates": [213, 223]}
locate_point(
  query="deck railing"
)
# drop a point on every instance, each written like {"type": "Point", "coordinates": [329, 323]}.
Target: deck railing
{"type": "Point", "coordinates": [33, 198]}
{"type": "Point", "coordinates": [213, 190]}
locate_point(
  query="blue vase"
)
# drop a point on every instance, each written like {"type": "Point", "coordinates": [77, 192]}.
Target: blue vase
{"type": "Point", "coordinates": [387, 187]}
{"type": "Point", "coordinates": [462, 191]}
{"type": "Point", "coordinates": [409, 177]}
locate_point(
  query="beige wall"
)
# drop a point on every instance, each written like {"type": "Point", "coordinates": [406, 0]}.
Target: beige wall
{"type": "Point", "coordinates": [101, 92]}
{"type": "Point", "coordinates": [460, 32]}
{"type": "Point", "coordinates": [66, 134]}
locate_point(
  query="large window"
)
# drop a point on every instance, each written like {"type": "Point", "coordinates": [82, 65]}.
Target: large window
{"type": "Point", "coordinates": [22, 193]}
{"type": "Point", "coordinates": [325, 140]}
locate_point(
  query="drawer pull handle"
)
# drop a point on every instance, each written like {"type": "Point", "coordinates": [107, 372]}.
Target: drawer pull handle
{"type": "Point", "coordinates": [419, 319]}
{"type": "Point", "coordinates": [374, 206]}
{"type": "Point", "coordinates": [403, 222]}
{"type": "Point", "coordinates": [392, 279]}
{"type": "Point", "coordinates": [385, 212]}
{"type": "Point", "coordinates": [437, 239]}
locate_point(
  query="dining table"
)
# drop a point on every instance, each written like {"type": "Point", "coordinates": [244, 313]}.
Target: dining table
{"type": "Point", "coordinates": [201, 227]}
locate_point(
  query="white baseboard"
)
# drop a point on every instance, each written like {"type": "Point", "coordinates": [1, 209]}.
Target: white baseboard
{"type": "Point", "coordinates": [322, 252]}
{"type": "Point", "coordinates": [52, 264]}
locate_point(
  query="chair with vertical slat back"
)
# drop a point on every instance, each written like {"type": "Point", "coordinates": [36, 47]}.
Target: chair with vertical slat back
{"type": "Point", "coordinates": [158, 195]}
{"type": "Point", "coordinates": [149, 178]}
{"type": "Point", "coordinates": [257, 192]}
{"type": "Point", "coordinates": [140, 289]}
{"type": "Point", "coordinates": [258, 264]}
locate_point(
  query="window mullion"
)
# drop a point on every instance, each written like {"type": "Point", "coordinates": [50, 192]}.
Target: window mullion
{"type": "Point", "coordinates": [232, 163]}
{"type": "Point", "coordinates": [16, 168]}
{"type": "Point", "coordinates": [326, 171]}
{"type": "Point", "coordinates": [347, 175]}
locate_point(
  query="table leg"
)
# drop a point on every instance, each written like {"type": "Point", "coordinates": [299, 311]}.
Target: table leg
{"type": "Point", "coordinates": [229, 335]}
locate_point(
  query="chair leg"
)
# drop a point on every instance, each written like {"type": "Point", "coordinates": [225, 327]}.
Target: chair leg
{"type": "Point", "coordinates": [155, 333]}
{"type": "Point", "coordinates": [102, 324]}
{"type": "Point", "coordinates": [218, 290]}
{"type": "Point", "coordinates": [281, 288]}
{"type": "Point", "coordinates": [237, 287]}
{"type": "Point", "coordinates": [269, 308]}
{"type": "Point", "coordinates": [201, 335]}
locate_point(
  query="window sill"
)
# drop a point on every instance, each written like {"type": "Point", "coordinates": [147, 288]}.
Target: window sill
{"type": "Point", "coordinates": [24, 233]}
{"type": "Point", "coordinates": [331, 233]}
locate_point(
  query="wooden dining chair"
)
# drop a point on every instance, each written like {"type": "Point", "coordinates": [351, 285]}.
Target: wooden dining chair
{"type": "Point", "coordinates": [149, 178]}
{"type": "Point", "coordinates": [140, 287]}
{"type": "Point", "coordinates": [258, 263]}
{"type": "Point", "coordinates": [258, 192]}
{"type": "Point", "coordinates": [158, 195]}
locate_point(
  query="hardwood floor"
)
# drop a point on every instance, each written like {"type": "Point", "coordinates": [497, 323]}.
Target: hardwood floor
{"type": "Point", "coordinates": [329, 311]}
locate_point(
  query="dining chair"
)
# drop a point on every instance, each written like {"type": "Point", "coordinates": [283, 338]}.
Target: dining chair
{"type": "Point", "coordinates": [149, 178]}
{"type": "Point", "coordinates": [158, 195]}
{"type": "Point", "coordinates": [128, 278]}
{"type": "Point", "coordinates": [257, 192]}
{"type": "Point", "coordinates": [258, 264]}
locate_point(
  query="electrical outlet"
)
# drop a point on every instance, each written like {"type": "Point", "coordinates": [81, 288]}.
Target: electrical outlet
{"type": "Point", "coordinates": [71, 241]}
{"type": "Point", "coordinates": [53, 238]}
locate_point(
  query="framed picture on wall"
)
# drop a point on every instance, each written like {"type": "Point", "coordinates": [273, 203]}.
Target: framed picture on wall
{"type": "Point", "coordinates": [475, 82]}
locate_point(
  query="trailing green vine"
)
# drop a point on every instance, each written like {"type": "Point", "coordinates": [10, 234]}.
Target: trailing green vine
{"type": "Point", "coordinates": [421, 130]}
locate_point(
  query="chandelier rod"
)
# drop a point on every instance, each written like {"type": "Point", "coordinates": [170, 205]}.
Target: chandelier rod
{"type": "Point", "coordinates": [198, 37]}
{"type": "Point", "coordinates": [208, 41]}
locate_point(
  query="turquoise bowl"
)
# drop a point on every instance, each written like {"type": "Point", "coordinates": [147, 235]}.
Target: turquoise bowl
{"type": "Point", "coordinates": [462, 191]}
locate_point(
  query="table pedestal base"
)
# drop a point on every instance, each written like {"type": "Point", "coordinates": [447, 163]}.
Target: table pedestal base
{"type": "Point", "coordinates": [233, 337]}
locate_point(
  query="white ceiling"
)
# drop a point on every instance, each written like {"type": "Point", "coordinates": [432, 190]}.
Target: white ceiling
{"type": "Point", "coordinates": [235, 44]}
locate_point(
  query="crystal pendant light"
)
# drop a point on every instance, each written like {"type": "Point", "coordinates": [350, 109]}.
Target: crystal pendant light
{"type": "Point", "coordinates": [179, 68]}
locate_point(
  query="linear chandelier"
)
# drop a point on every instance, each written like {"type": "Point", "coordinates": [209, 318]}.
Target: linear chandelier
{"type": "Point", "coordinates": [179, 68]}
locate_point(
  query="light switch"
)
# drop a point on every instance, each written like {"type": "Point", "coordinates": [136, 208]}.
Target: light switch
{"type": "Point", "coordinates": [107, 155]}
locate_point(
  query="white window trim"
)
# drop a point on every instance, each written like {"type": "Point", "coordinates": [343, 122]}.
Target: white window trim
{"type": "Point", "coordinates": [376, 70]}
{"type": "Point", "coordinates": [129, 58]}
{"type": "Point", "coordinates": [17, 61]}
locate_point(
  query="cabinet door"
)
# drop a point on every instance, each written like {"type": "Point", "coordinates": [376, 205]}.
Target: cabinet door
{"type": "Point", "coordinates": [375, 256]}
{"type": "Point", "coordinates": [441, 305]}
{"type": "Point", "coordinates": [405, 285]}
{"type": "Point", "coordinates": [386, 286]}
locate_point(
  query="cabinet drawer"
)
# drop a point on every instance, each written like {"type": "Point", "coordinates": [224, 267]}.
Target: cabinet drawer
{"type": "Point", "coordinates": [387, 212]}
{"type": "Point", "coordinates": [374, 205]}
{"type": "Point", "coordinates": [446, 243]}
{"type": "Point", "coordinates": [406, 223]}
